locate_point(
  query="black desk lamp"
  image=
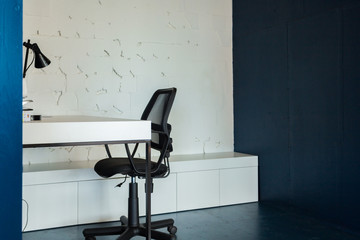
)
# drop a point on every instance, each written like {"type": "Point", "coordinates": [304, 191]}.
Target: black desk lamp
{"type": "Point", "coordinates": [40, 59]}
{"type": "Point", "coordinates": [40, 62]}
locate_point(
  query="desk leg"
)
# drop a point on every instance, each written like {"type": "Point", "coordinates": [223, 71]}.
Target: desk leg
{"type": "Point", "coordinates": [148, 190]}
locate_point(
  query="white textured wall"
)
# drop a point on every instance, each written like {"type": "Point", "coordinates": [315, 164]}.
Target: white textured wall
{"type": "Point", "coordinates": [109, 56]}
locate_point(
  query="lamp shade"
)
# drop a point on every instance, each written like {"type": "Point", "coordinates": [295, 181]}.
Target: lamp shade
{"type": "Point", "coordinates": [40, 59]}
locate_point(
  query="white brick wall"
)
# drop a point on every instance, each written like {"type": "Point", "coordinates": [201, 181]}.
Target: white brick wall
{"type": "Point", "coordinates": [109, 56]}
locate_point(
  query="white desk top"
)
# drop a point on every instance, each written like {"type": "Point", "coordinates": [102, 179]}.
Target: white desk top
{"type": "Point", "coordinates": [80, 130]}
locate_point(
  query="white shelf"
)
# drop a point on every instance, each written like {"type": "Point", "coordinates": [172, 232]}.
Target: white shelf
{"type": "Point", "coordinates": [178, 162]}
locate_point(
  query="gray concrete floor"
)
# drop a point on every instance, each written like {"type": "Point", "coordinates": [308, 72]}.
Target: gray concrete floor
{"type": "Point", "coordinates": [253, 221]}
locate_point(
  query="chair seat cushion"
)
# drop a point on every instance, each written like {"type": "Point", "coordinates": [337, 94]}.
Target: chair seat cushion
{"type": "Point", "coordinates": [108, 167]}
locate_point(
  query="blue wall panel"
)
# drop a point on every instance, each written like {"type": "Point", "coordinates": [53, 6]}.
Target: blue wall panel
{"type": "Point", "coordinates": [255, 15]}
{"type": "Point", "coordinates": [350, 164]}
{"type": "Point", "coordinates": [315, 111]}
{"type": "Point", "coordinates": [312, 7]}
{"type": "Point", "coordinates": [297, 102]}
{"type": "Point", "coordinates": [11, 118]}
{"type": "Point", "coordinates": [260, 94]}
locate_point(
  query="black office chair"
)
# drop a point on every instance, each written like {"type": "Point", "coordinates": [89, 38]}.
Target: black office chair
{"type": "Point", "coordinates": [157, 110]}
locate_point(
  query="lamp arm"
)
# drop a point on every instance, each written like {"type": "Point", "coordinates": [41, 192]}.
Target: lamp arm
{"type": "Point", "coordinates": [27, 45]}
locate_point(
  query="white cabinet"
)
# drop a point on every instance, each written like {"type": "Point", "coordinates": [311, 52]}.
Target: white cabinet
{"type": "Point", "coordinates": [62, 194]}
{"type": "Point", "coordinates": [49, 205]}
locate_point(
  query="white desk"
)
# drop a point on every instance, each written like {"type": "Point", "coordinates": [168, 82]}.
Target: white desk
{"type": "Point", "coordinates": [86, 130]}
{"type": "Point", "coordinates": [83, 130]}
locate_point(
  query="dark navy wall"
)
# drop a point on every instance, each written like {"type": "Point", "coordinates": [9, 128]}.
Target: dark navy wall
{"type": "Point", "coordinates": [297, 102]}
{"type": "Point", "coordinates": [10, 119]}
{"type": "Point", "coordinates": [350, 163]}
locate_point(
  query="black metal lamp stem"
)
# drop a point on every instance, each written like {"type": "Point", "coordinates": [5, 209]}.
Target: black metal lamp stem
{"type": "Point", "coordinates": [26, 56]}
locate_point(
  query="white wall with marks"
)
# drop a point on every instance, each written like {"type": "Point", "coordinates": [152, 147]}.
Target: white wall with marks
{"type": "Point", "coordinates": [109, 56]}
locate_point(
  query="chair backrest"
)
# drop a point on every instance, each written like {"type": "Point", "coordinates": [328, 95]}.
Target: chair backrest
{"type": "Point", "coordinates": [158, 110]}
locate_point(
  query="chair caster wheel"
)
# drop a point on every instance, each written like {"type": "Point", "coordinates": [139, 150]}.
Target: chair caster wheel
{"type": "Point", "coordinates": [90, 238]}
{"type": "Point", "coordinates": [123, 220]}
{"type": "Point", "coordinates": [172, 229]}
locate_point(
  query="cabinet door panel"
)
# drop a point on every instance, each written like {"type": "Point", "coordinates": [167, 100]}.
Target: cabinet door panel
{"type": "Point", "coordinates": [163, 198]}
{"type": "Point", "coordinates": [197, 190]}
{"type": "Point", "coordinates": [239, 185]}
{"type": "Point", "coordinates": [49, 205]}
{"type": "Point", "coordinates": [101, 201]}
